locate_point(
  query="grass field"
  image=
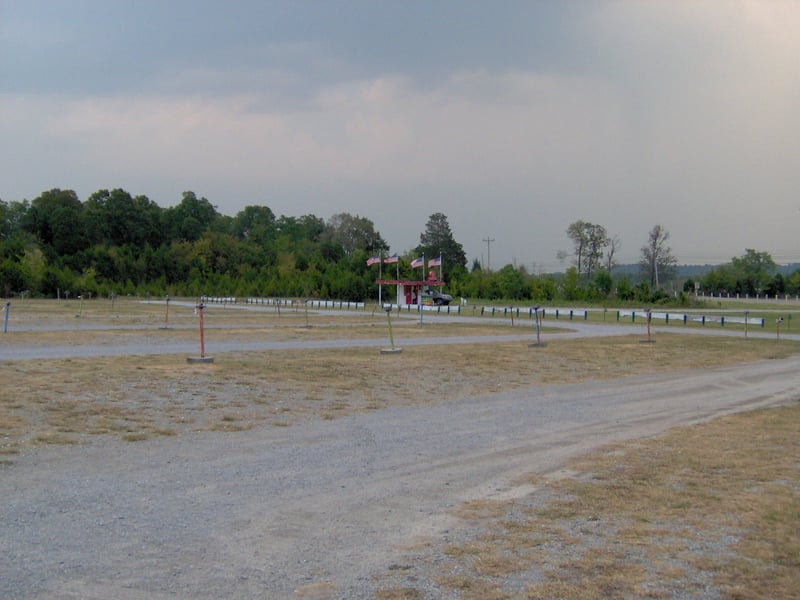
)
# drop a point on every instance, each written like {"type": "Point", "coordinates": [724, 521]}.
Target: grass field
{"type": "Point", "coordinates": [711, 507]}
{"type": "Point", "coordinates": [137, 397]}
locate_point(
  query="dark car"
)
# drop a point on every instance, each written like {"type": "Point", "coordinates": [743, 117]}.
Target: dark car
{"type": "Point", "coordinates": [436, 297]}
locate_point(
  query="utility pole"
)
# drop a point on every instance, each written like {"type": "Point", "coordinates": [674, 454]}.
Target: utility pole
{"type": "Point", "coordinates": [488, 241]}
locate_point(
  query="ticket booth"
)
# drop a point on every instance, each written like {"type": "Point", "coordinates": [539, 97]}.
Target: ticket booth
{"type": "Point", "coordinates": [409, 292]}
{"type": "Point", "coordinates": [409, 295]}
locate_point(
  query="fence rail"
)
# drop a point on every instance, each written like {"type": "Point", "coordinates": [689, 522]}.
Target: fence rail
{"type": "Point", "coordinates": [499, 311]}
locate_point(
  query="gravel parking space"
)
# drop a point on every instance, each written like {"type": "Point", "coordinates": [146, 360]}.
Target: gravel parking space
{"type": "Point", "coordinates": [324, 508]}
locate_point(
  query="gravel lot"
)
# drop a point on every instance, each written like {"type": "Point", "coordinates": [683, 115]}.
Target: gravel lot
{"type": "Point", "coordinates": [322, 509]}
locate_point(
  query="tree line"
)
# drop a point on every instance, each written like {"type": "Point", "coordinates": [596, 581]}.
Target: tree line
{"type": "Point", "coordinates": [752, 274]}
{"type": "Point", "coordinates": [117, 243]}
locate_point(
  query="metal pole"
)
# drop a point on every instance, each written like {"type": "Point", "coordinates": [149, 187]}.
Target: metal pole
{"type": "Point", "coordinates": [391, 335]}
{"type": "Point", "coordinates": [419, 292]}
{"type": "Point", "coordinates": [5, 320]}
{"type": "Point", "coordinates": [538, 343]}
{"type": "Point", "coordinates": [166, 312]}
{"type": "Point", "coordinates": [200, 308]}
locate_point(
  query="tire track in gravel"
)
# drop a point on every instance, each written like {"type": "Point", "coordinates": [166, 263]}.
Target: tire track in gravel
{"type": "Point", "coordinates": [323, 506]}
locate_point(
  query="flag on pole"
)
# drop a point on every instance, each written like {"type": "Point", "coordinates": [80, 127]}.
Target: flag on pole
{"type": "Point", "coordinates": [374, 260]}
{"type": "Point", "coordinates": [391, 259]}
{"type": "Point", "coordinates": [419, 262]}
{"type": "Point", "coordinates": [435, 262]}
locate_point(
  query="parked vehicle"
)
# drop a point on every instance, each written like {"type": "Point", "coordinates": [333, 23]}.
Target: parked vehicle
{"type": "Point", "coordinates": [436, 297]}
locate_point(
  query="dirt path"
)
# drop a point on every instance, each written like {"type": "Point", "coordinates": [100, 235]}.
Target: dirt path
{"type": "Point", "coordinates": [321, 509]}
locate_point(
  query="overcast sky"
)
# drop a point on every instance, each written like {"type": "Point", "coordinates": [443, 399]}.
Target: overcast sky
{"type": "Point", "coordinates": [514, 119]}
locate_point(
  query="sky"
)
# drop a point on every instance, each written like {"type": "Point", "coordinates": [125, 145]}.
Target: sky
{"type": "Point", "coordinates": [513, 118]}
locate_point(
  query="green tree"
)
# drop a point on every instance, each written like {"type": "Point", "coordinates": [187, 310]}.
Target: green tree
{"type": "Point", "coordinates": [777, 286]}
{"type": "Point", "coordinates": [589, 241]}
{"type": "Point", "coordinates": [56, 219]}
{"type": "Point", "coordinates": [255, 224]}
{"type": "Point", "coordinates": [793, 283]}
{"type": "Point", "coordinates": [571, 285]}
{"type": "Point", "coordinates": [512, 284]}
{"type": "Point", "coordinates": [437, 240]}
{"type": "Point", "coordinates": [719, 280]}
{"type": "Point", "coordinates": [13, 277]}
{"type": "Point", "coordinates": [119, 219]}
{"type": "Point", "coordinates": [191, 218]}
{"type": "Point", "coordinates": [602, 283]}
{"type": "Point", "coordinates": [11, 217]}
{"type": "Point", "coordinates": [625, 291]}
{"type": "Point", "coordinates": [354, 233]}
{"type": "Point", "coordinates": [753, 271]}
{"type": "Point", "coordinates": [657, 263]}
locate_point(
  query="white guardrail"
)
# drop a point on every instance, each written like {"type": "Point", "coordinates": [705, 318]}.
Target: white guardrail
{"type": "Point", "coordinates": [494, 311]}
{"type": "Point", "coordinates": [685, 318]}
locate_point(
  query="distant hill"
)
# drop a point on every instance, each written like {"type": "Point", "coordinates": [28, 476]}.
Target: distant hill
{"type": "Point", "coordinates": [692, 271]}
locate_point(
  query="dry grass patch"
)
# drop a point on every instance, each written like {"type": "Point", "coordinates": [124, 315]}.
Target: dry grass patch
{"type": "Point", "coordinates": [711, 510]}
{"type": "Point", "coordinates": [143, 396]}
{"type": "Point", "coordinates": [32, 328]}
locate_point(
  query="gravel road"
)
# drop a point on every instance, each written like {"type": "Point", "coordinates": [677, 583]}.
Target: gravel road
{"type": "Point", "coordinates": [324, 508]}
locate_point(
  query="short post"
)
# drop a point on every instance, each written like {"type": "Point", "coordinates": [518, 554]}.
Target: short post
{"type": "Point", "coordinates": [5, 318]}
{"type": "Point", "coordinates": [648, 316]}
{"type": "Point", "coordinates": [746, 313]}
{"type": "Point", "coordinates": [392, 349]}
{"type": "Point", "coordinates": [202, 358]}
{"type": "Point", "coordinates": [200, 308]}
{"type": "Point", "coordinates": [166, 312]}
{"type": "Point", "coordinates": [778, 322]}
{"type": "Point", "coordinates": [538, 343]}
{"type": "Point", "coordinates": [80, 306]}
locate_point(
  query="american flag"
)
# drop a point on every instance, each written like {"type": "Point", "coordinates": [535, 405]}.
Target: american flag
{"type": "Point", "coordinates": [374, 260]}
{"type": "Point", "coordinates": [435, 262]}
{"type": "Point", "coordinates": [418, 262]}
{"type": "Point", "coordinates": [390, 259]}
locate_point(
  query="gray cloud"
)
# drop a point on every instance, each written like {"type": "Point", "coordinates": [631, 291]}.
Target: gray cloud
{"type": "Point", "coordinates": [513, 122]}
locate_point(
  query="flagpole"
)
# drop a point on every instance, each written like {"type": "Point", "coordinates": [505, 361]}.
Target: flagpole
{"type": "Point", "coordinates": [380, 277]}
{"type": "Point", "coordinates": [419, 291]}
